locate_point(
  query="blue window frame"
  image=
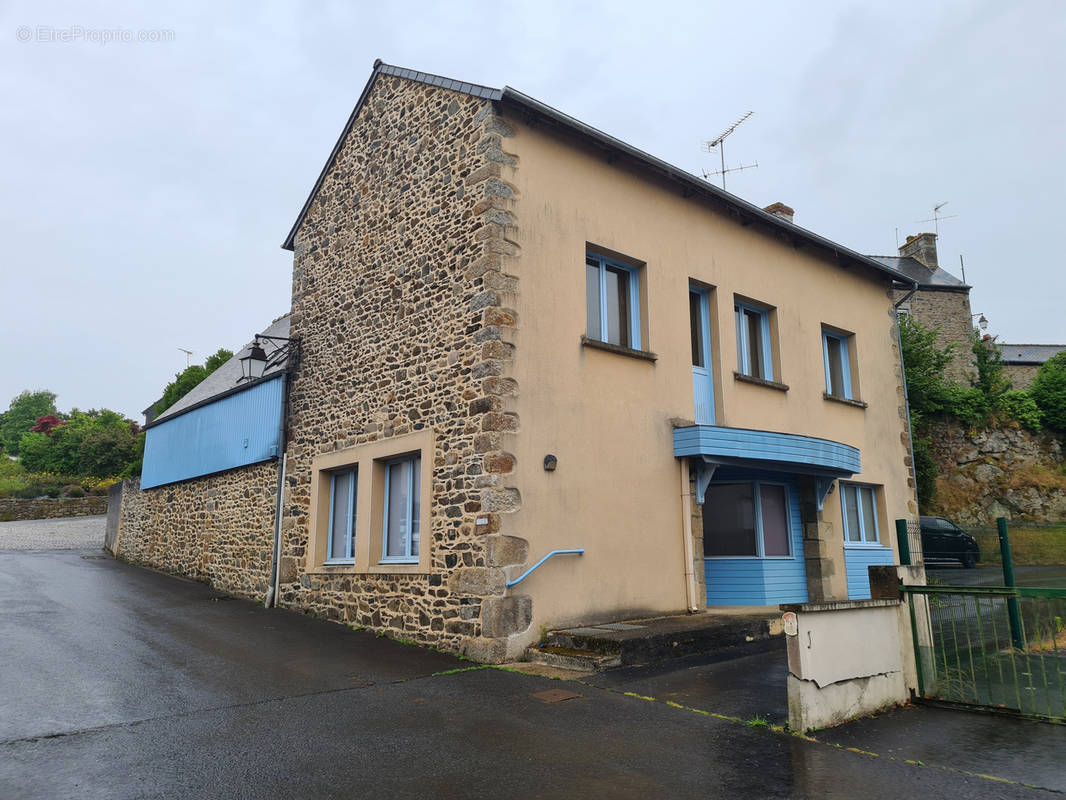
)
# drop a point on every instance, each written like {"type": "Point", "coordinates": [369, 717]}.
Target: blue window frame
{"type": "Point", "coordinates": [747, 519]}
{"type": "Point", "coordinates": [837, 364]}
{"type": "Point", "coordinates": [402, 509]}
{"type": "Point", "coordinates": [859, 510]}
{"type": "Point", "coordinates": [612, 301]}
{"type": "Point", "coordinates": [754, 356]}
{"type": "Point", "coordinates": [343, 493]}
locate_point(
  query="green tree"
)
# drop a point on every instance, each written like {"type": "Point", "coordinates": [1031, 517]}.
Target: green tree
{"type": "Point", "coordinates": [924, 363]}
{"type": "Point", "coordinates": [189, 378]}
{"type": "Point", "coordinates": [1049, 391]}
{"type": "Point", "coordinates": [22, 415]}
{"type": "Point", "coordinates": [93, 443]}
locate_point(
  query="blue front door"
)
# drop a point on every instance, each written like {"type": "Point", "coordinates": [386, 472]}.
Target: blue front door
{"type": "Point", "coordinates": [700, 331]}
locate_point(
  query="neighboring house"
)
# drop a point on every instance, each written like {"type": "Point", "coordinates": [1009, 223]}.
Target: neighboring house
{"type": "Point", "coordinates": [519, 335]}
{"type": "Point", "coordinates": [941, 303]}
{"type": "Point", "coordinates": [1022, 361]}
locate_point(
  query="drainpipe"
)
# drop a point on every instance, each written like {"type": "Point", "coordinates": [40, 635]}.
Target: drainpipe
{"type": "Point", "coordinates": [275, 567]}
{"type": "Point", "coordinates": [906, 399]}
{"type": "Point", "coordinates": [686, 529]}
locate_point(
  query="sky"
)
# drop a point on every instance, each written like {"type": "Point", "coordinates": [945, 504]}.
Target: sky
{"type": "Point", "coordinates": [154, 156]}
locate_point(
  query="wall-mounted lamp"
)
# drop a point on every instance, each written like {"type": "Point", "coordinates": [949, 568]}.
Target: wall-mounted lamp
{"type": "Point", "coordinates": [982, 323]}
{"type": "Point", "coordinates": [255, 364]}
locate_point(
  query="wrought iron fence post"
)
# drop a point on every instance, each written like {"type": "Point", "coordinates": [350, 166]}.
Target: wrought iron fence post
{"type": "Point", "coordinates": [903, 539]}
{"type": "Point", "coordinates": [1013, 613]}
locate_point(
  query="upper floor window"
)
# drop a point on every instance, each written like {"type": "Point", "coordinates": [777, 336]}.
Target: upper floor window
{"type": "Point", "coordinates": [754, 356]}
{"type": "Point", "coordinates": [860, 514]}
{"type": "Point", "coordinates": [612, 301]}
{"type": "Point", "coordinates": [343, 493]}
{"type": "Point", "coordinates": [402, 510]}
{"type": "Point", "coordinates": [837, 364]}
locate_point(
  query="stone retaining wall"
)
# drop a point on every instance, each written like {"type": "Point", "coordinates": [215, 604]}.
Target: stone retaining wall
{"type": "Point", "coordinates": [12, 508]}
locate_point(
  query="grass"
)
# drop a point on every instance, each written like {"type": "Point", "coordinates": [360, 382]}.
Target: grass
{"type": "Point", "coordinates": [1031, 544]}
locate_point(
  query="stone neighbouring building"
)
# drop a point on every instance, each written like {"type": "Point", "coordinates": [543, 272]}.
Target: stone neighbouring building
{"type": "Point", "coordinates": [941, 302]}
{"type": "Point", "coordinates": [1021, 362]}
{"type": "Point", "coordinates": [711, 409]}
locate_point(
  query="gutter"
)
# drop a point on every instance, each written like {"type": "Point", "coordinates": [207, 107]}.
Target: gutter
{"type": "Point", "coordinates": [906, 399]}
{"type": "Point", "coordinates": [271, 600]}
{"type": "Point", "coordinates": [686, 533]}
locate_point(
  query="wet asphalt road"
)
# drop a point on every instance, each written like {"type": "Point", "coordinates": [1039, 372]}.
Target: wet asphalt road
{"type": "Point", "coordinates": [117, 682]}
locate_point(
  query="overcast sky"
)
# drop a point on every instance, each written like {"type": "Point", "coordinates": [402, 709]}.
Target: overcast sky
{"type": "Point", "coordinates": [147, 186]}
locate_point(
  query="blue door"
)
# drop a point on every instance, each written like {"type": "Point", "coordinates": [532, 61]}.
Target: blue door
{"type": "Point", "coordinates": [700, 331]}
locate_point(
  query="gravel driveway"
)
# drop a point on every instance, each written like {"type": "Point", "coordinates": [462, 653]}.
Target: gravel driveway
{"type": "Point", "coordinates": [71, 533]}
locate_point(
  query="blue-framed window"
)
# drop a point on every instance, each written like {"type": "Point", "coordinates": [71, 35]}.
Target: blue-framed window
{"type": "Point", "coordinates": [859, 510]}
{"type": "Point", "coordinates": [402, 508]}
{"type": "Point", "coordinates": [612, 301]}
{"type": "Point", "coordinates": [747, 520]}
{"type": "Point", "coordinates": [754, 356]}
{"type": "Point", "coordinates": [837, 364]}
{"type": "Point", "coordinates": [343, 494]}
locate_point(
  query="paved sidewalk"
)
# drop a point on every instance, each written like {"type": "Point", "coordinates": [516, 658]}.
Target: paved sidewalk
{"type": "Point", "coordinates": [69, 533]}
{"type": "Point", "coordinates": [120, 682]}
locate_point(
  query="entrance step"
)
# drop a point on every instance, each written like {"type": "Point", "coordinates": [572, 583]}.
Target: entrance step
{"type": "Point", "coordinates": [594, 648]}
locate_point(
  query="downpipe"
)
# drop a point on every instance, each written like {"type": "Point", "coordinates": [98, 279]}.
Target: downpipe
{"type": "Point", "coordinates": [275, 572]}
{"type": "Point", "coordinates": [686, 530]}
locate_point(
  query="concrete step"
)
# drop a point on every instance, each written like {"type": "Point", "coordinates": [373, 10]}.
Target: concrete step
{"type": "Point", "coordinates": [646, 641]}
{"type": "Point", "coordinates": [579, 660]}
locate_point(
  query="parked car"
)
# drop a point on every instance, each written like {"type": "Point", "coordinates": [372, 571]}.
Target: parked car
{"type": "Point", "coordinates": [943, 540]}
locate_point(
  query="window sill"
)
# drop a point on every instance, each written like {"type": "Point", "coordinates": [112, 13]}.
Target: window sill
{"type": "Point", "coordinates": [596, 344]}
{"type": "Point", "coordinates": [742, 378]}
{"type": "Point", "coordinates": [845, 401]}
{"type": "Point", "coordinates": [865, 546]}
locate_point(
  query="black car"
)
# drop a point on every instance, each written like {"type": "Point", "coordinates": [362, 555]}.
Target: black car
{"type": "Point", "coordinates": [945, 541]}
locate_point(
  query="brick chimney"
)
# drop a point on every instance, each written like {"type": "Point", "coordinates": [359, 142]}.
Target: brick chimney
{"type": "Point", "coordinates": [921, 248]}
{"type": "Point", "coordinates": [780, 210]}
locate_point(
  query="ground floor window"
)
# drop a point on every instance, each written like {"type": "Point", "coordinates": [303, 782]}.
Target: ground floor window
{"type": "Point", "coordinates": [402, 509]}
{"type": "Point", "coordinates": [746, 520]}
{"type": "Point", "coordinates": [860, 514]}
{"type": "Point", "coordinates": [343, 493]}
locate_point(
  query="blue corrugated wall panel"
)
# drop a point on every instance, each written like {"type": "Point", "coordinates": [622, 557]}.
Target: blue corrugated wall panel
{"type": "Point", "coordinates": [760, 581]}
{"type": "Point", "coordinates": [856, 560]}
{"type": "Point", "coordinates": [788, 448]}
{"type": "Point", "coordinates": [234, 431]}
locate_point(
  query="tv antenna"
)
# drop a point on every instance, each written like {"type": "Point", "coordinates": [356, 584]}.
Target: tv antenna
{"type": "Point", "coordinates": [935, 219]}
{"type": "Point", "coordinates": [719, 142]}
{"type": "Point", "coordinates": [188, 356]}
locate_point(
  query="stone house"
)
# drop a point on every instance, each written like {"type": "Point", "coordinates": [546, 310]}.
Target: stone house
{"type": "Point", "coordinates": [1022, 361]}
{"type": "Point", "coordinates": [941, 303]}
{"type": "Point", "coordinates": [518, 335]}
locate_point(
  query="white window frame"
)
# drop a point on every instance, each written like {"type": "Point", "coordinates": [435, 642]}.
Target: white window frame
{"type": "Point", "coordinates": [744, 345]}
{"type": "Point", "coordinates": [349, 533]}
{"type": "Point", "coordinates": [867, 537]}
{"type": "Point", "coordinates": [760, 546]}
{"type": "Point", "coordinates": [633, 289]}
{"type": "Point", "coordinates": [845, 363]}
{"type": "Point", "coordinates": [411, 556]}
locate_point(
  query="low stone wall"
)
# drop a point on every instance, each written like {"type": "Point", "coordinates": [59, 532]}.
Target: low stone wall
{"type": "Point", "coordinates": [218, 529]}
{"type": "Point", "coordinates": [1003, 472]}
{"type": "Point", "coordinates": [12, 508]}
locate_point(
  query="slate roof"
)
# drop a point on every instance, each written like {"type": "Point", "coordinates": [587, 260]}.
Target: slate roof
{"type": "Point", "coordinates": [915, 270]}
{"type": "Point", "coordinates": [1029, 353]}
{"type": "Point", "coordinates": [742, 210]}
{"type": "Point", "coordinates": [226, 379]}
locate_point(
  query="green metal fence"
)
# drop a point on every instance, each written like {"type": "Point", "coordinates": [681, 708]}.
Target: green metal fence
{"type": "Point", "coordinates": [997, 647]}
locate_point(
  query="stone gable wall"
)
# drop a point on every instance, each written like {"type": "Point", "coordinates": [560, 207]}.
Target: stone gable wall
{"type": "Point", "coordinates": [949, 312]}
{"type": "Point", "coordinates": [404, 311]}
{"type": "Point", "coordinates": [1021, 375]}
{"type": "Point", "coordinates": [218, 529]}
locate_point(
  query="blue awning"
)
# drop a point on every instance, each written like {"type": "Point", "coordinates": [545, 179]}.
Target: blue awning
{"type": "Point", "coordinates": [784, 452]}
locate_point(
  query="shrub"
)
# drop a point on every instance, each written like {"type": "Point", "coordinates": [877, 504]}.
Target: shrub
{"type": "Point", "coordinates": [73, 491]}
{"type": "Point", "coordinates": [1049, 391]}
{"type": "Point", "coordinates": [969, 406]}
{"type": "Point", "coordinates": [1020, 406]}
{"type": "Point", "coordinates": [925, 472]}
{"type": "Point", "coordinates": [28, 492]}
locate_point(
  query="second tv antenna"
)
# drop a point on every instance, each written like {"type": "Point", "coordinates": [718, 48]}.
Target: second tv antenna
{"type": "Point", "coordinates": [719, 142]}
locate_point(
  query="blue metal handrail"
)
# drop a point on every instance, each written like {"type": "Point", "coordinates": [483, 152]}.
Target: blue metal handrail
{"type": "Point", "coordinates": [578, 551]}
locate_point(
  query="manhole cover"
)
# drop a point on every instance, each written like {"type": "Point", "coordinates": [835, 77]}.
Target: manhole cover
{"type": "Point", "coordinates": [555, 695]}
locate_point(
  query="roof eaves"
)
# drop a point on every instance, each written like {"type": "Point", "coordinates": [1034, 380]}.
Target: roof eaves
{"type": "Point", "coordinates": [692, 182]}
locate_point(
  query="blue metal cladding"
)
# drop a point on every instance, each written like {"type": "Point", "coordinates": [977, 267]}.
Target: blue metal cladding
{"type": "Point", "coordinates": [236, 430]}
{"type": "Point", "coordinates": [856, 559]}
{"type": "Point", "coordinates": [760, 581]}
{"type": "Point", "coordinates": [820, 455]}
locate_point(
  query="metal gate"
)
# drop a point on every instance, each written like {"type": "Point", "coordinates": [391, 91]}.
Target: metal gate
{"type": "Point", "coordinates": [996, 647]}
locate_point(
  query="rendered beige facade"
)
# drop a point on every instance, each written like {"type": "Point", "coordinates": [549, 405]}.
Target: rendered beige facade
{"type": "Point", "coordinates": [515, 305]}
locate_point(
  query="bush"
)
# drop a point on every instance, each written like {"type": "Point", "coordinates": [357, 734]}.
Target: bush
{"type": "Point", "coordinates": [969, 406]}
{"type": "Point", "coordinates": [73, 491]}
{"type": "Point", "coordinates": [925, 472]}
{"type": "Point", "coordinates": [1049, 391]}
{"type": "Point", "coordinates": [28, 492]}
{"type": "Point", "coordinates": [1020, 406]}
